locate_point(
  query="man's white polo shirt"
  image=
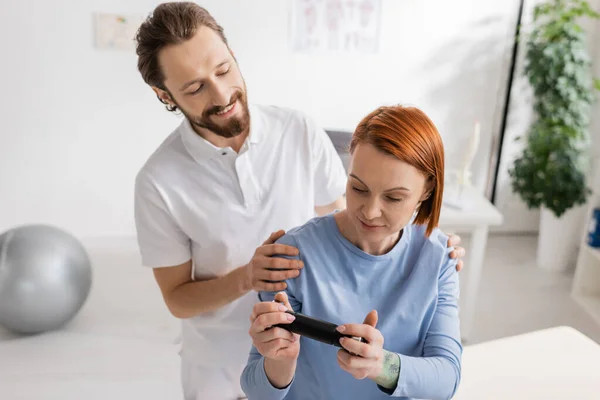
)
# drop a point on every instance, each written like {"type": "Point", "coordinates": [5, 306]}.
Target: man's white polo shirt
{"type": "Point", "coordinates": [212, 205]}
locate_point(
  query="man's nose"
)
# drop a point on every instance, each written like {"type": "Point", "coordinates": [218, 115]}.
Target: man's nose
{"type": "Point", "coordinates": [220, 95]}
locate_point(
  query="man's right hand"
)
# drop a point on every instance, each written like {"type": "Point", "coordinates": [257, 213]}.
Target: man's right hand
{"type": "Point", "coordinates": [267, 273]}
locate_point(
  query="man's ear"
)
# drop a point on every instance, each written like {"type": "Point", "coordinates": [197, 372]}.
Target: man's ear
{"type": "Point", "coordinates": [163, 96]}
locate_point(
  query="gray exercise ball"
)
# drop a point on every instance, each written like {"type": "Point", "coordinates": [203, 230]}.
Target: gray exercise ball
{"type": "Point", "coordinates": [45, 278]}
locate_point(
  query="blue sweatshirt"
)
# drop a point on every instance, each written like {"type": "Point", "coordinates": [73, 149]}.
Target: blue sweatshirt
{"type": "Point", "coordinates": [415, 290]}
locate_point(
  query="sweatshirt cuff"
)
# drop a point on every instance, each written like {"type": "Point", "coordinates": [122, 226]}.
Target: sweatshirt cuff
{"type": "Point", "coordinates": [270, 390]}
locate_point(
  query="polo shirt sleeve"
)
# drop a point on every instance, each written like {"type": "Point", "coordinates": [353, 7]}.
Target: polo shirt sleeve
{"type": "Point", "coordinates": [161, 241]}
{"type": "Point", "coordinates": [328, 170]}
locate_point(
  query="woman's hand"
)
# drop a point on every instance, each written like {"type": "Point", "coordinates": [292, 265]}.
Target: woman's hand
{"type": "Point", "coordinates": [368, 355]}
{"type": "Point", "coordinates": [274, 343]}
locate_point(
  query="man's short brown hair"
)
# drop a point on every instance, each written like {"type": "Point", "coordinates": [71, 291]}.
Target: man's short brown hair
{"type": "Point", "coordinates": [170, 23]}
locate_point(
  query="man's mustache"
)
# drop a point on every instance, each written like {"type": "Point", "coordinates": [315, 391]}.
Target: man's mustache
{"type": "Point", "coordinates": [237, 96]}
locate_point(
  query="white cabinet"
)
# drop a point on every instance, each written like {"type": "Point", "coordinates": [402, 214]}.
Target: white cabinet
{"type": "Point", "coordinates": [586, 282]}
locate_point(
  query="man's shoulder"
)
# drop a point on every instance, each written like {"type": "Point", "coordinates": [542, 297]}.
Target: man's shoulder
{"type": "Point", "coordinates": [283, 119]}
{"type": "Point", "coordinates": [163, 159]}
{"type": "Point", "coordinates": [275, 112]}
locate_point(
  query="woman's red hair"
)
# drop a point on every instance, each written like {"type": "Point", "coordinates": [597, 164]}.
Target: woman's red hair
{"type": "Point", "coordinates": [409, 135]}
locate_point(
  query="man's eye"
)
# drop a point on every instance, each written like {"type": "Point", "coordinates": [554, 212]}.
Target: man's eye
{"type": "Point", "coordinates": [197, 90]}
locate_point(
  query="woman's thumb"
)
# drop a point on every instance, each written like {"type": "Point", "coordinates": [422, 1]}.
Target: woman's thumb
{"type": "Point", "coordinates": [371, 318]}
{"type": "Point", "coordinates": [283, 298]}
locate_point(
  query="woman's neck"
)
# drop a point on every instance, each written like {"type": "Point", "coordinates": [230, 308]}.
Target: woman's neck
{"type": "Point", "coordinates": [349, 231]}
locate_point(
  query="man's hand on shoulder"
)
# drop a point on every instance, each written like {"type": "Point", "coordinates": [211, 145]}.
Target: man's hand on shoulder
{"type": "Point", "coordinates": [267, 273]}
{"type": "Point", "coordinates": [458, 252]}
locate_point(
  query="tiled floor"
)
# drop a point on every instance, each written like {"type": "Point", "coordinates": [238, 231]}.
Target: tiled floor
{"type": "Point", "coordinates": [516, 296]}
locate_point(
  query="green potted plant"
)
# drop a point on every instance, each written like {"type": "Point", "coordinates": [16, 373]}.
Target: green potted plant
{"type": "Point", "coordinates": [551, 171]}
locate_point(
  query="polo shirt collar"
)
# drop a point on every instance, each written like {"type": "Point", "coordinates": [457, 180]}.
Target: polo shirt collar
{"type": "Point", "coordinates": [257, 125]}
{"type": "Point", "coordinates": [202, 150]}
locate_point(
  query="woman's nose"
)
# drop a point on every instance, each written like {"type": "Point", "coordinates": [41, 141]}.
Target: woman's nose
{"type": "Point", "coordinates": [372, 209]}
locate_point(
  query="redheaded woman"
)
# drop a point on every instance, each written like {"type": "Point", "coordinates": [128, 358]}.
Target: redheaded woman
{"type": "Point", "coordinates": [380, 269]}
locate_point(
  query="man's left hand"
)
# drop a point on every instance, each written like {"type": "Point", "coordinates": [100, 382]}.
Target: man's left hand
{"type": "Point", "coordinates": [458, 252]}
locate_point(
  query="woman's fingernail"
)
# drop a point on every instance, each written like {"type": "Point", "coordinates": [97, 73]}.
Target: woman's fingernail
{"type": "Point", "coordinates": [341, 328]}
{"type": "Point", "coordinates": [290, 317]}
{"type": "Point", "coordinates": [282, 308]}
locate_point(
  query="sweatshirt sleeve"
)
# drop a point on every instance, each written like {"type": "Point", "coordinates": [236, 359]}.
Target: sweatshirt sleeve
{"type": "Point", "coordinates": [254, 381]}
{"type": "Point", "coordinates": [437, 374]}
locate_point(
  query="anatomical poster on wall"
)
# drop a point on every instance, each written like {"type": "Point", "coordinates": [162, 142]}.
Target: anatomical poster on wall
{"type": "Point", "coordinates": [350, 26]}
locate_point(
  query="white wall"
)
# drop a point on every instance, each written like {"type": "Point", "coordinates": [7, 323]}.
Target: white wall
{"type": "Point", "coordinates": [79, 122]}
{"type": "Point", "coordinates": [452, 62]}
{"type": "Point", "coordinates": [76, 122]}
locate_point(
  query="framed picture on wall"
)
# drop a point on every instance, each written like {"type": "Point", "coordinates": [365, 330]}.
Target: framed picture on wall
{"type": "Point", "coordinates": [350, 26]}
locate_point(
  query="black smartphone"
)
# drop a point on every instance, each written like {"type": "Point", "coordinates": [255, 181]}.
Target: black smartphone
{"type": "Point", "coordinates": [315, 329]}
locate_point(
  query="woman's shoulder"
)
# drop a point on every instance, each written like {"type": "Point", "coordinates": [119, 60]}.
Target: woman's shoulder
{"type": "Point", "coordinates": [434, 248]}
{"type": "Point", "coordinates": [437, 238]}
{"type": "Point", "coordinates": [314, 229]}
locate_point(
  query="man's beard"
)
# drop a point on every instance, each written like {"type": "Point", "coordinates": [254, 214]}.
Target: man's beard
{"type": "Point", "coordinates": [234, 125]}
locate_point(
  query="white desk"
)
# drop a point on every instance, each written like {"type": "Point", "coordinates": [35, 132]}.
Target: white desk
{"type": "Point", "coordinates": [475, 218]}
{"type": "Point", "coordinates": [558, 363]}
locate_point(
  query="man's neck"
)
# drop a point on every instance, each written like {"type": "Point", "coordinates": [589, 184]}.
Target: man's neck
{"type": "Point", "coordinates": [235, 143]}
